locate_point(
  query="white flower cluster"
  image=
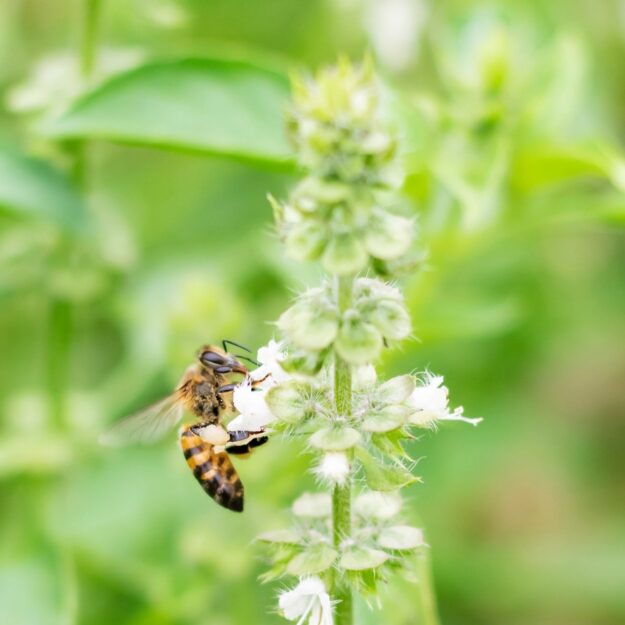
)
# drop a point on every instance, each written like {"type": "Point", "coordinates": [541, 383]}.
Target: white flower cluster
{"type": "Point", "coordinates": [249, 397]}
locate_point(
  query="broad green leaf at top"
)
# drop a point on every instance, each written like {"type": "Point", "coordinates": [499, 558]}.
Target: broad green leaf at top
{"type": "Point", "coordinates": [32, 188]}
{"type": "Point", "coordinates": [212, 106]}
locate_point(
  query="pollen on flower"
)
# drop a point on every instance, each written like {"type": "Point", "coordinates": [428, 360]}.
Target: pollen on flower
{"type": "Point", "coordinates": [333, 468]}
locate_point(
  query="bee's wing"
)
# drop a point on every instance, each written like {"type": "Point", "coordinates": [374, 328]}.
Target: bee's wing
{"type": "Point", "coordinates": [146, 425]}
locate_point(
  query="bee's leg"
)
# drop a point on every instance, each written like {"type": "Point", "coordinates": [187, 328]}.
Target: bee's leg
{"type": "Point", "coordinates": [227, 388]}
{"type": "Point", "coordinates": [246, 438]}
{"type": "Point", "coordinates": [257, 382]}
{"type": "Point", "coordinates": [211, 433]}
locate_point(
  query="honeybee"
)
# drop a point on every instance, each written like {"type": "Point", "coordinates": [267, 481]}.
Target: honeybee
{"type": "Point", "coordinates": [204, 390]}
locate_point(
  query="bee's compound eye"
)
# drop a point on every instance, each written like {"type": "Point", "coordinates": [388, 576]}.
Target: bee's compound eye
{"type": "Point", "coordinates": [211, 358]}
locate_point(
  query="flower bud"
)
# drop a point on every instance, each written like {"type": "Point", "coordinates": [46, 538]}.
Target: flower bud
{"type": "Point", "coordinates": [378, 142]}
{"type": "Point", "coordinates": [310, 323]}
{"type": "Point", "coordinates": [321, 190]}
{"type": "Point", "coordinates": [391, 319]}
{"type": "Point", "coordinates": [388, 236]}
{"type": "Point", "coordinates": [370, 288]}
{"type": "Point", "coordinates": [306, 240]}
{"type": "Point", "coordinates": [357, 342]}
{"type": "Point", "coordinates": [344, 255]}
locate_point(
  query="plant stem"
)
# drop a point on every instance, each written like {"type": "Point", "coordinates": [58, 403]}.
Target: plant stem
{"type": "Point", "coordinates": [342, 496]}
{"type": "Point", "coordinates": [60, 310]}
{"type": "Point", "coordinates": [59, 335]}
{"type": "Point", "coordinates": [89, 37]}
{"type": "Point", "coordinates": [427, 598]}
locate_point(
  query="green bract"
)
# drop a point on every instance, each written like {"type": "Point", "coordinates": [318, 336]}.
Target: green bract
{"type": "Point", "coordinates": [358, 342]}
{"type": "Point", "coordinates": [290, 402]}
{"type": "Point", "coordinates": [312, 322]}
{"type": "Point", "coordinates": [335, 438]}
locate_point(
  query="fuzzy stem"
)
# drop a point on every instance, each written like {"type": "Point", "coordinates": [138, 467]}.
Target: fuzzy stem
{"type": "Point", "coordinates": [427, 597]}
{"type": "Point", "coordinates": [342, 496]}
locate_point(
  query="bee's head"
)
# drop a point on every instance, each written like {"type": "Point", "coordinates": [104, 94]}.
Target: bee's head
{"type": "Point", "coordinates": [220, 361]}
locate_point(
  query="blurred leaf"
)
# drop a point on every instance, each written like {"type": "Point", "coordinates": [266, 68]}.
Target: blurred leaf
{"type": "Point", "coordinates": [280, 536]}
{"type": "Point", "coordinates": [214, 106]}
{"type": "Point", "coordinates": [539, 166]}
{"type": "Point", "coordinates": [42, 454]}
{"type": "Point", "coordinates": [33, 188]}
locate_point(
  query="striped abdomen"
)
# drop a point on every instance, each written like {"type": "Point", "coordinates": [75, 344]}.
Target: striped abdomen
{"type": "Point", "coordinates": [214, 471]}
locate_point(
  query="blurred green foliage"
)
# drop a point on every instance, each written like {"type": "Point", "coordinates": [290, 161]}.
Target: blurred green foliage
{"type": "Point", "coordinates": [113, 273]}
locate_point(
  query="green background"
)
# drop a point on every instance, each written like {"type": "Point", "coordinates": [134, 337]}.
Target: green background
{"type": "Point", "coordinates": [510, 115]}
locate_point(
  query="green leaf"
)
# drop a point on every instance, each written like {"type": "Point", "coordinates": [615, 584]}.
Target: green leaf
{"type": "Point", "coordinates": [383, 477]}
{"type": "Point", "coordinates": [315, 559]}
{"type": "Point", "coordinates": [540, 165]}
{"type": "Point", "coordinates": [359, 559]}
{"type": "Point", "coordinates": [208, 105]}
{"type": "Point", "coordinates": [401, 537]}
{"type": "Point", "coordinates": [33, 188]}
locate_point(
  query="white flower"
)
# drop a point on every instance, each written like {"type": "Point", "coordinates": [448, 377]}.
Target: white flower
{"type": "Point", "coordinates": [270, 356]}
{"type": "Point", "coordinates": [249, 396]}
{"type": "Point", "coordinates": [309, 599]}
{"type": "Point", "coordinates": [333, 467]}
{"type": "Point", "coordinates": [250, 402]}
{"type": "Point", "coordinates": [430, 404]}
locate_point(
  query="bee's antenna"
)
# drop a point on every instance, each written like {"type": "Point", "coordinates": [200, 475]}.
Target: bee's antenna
{"type": "Point", "coordinates": [254, 362]}
{"type": "Point", "coordinates": [227, 342]}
